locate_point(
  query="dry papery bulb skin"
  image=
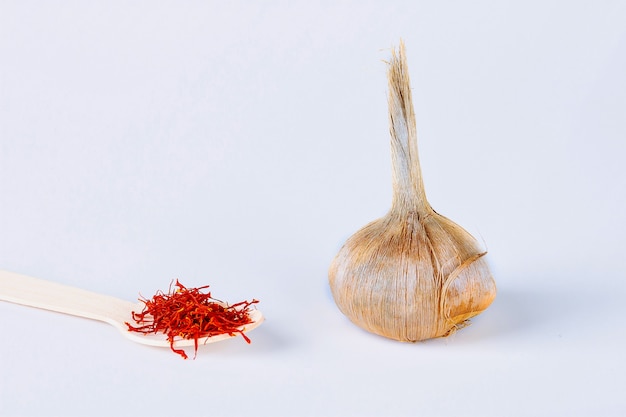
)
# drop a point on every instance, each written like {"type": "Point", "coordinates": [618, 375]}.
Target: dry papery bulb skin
{"type": "Point", "coordinates": [412, 274]}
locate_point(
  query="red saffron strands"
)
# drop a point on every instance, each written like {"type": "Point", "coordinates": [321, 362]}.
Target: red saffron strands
{"type": "Point", "coordinates": [189, 313]}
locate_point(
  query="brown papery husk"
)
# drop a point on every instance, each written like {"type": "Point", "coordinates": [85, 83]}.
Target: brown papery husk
{"type": "Point", "coordinates": [413, 274]}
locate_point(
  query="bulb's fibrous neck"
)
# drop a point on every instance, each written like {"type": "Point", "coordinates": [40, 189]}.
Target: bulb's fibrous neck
{"type": "Point", "coordinates": [408, 185]}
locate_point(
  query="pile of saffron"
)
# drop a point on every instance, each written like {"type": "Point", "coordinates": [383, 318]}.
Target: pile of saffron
{"type": "Point", "coordinates": [189, 313]}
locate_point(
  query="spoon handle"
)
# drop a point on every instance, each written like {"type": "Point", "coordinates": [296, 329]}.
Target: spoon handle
{"type": "Point", "coordinates": [39, 293]}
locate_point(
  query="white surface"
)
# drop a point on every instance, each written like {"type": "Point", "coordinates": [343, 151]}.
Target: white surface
{"type": "Point", "coordinates": [239, 144]}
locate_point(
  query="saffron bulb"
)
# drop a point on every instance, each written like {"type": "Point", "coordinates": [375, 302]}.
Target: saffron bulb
{"type": "Point", "coordinates": [412, 274]}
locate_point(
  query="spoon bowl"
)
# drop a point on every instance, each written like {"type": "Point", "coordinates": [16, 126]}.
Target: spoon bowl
{"type": "Point", "coordinates": [47, 295]}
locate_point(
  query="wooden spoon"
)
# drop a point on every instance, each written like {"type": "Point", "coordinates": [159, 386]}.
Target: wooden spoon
{"type": "Point", "coordinates": [39, 293]}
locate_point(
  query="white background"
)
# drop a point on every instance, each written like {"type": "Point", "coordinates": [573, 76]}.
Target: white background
{"type": "Point", "coordinates": [238, 144]}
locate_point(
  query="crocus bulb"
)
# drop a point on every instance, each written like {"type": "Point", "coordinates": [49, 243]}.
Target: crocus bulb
{"type": "Point", "coordinates": [412, 274]}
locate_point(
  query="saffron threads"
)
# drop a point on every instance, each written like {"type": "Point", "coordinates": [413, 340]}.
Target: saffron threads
{"type": "Point", "coordinates": [189, 313]}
